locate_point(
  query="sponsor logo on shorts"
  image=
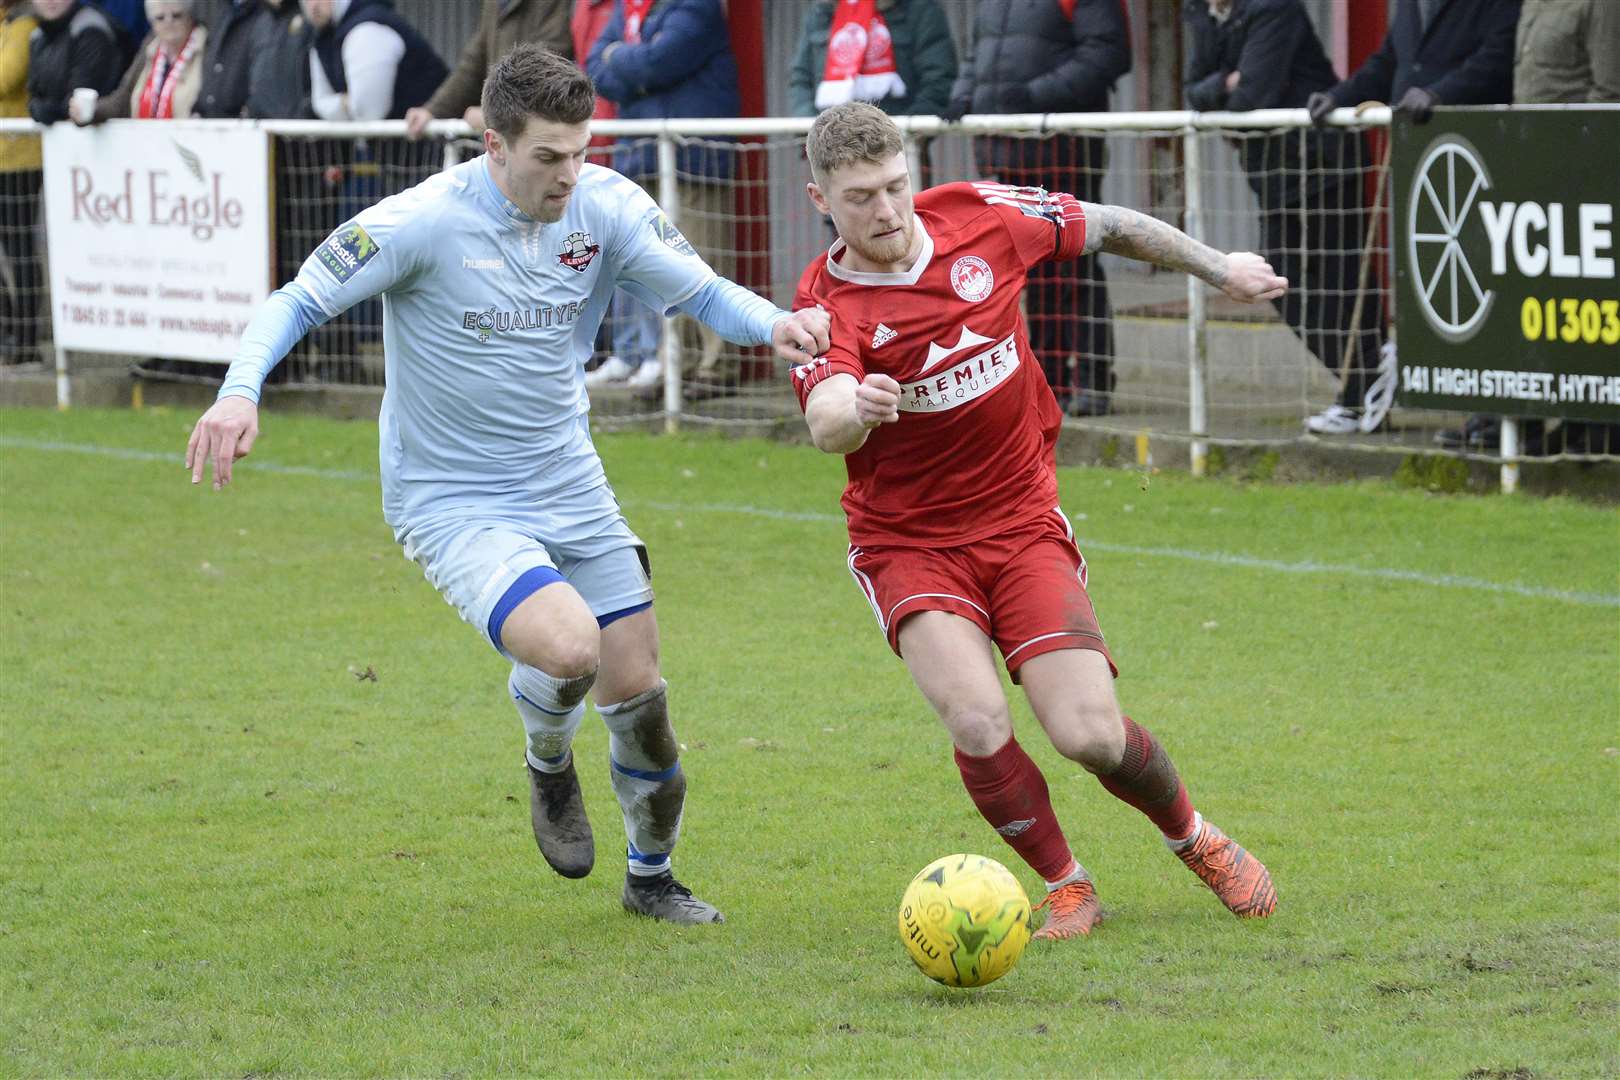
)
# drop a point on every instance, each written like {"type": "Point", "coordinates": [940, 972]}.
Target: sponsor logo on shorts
{"type": "Point", "coordinates": [346, 251]}
{"type": "Point", "coordinates": [972, 278]}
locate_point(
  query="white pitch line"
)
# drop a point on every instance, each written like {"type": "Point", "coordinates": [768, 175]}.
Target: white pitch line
{"type": "Point", "coordinates": [1249, 562]}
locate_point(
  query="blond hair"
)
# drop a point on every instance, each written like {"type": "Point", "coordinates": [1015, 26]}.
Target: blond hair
{"type": "Point", "coordinates": [850, 133]}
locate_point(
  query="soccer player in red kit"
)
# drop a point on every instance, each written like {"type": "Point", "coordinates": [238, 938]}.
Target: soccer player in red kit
{"type": "Point", "coordinates": [948, 428]}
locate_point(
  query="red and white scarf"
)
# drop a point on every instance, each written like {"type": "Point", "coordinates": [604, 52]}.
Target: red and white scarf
{"type": "Point", "coordinates": [860, 57]}
{"type": "Point", "coordinates": [635, 13]}
{"type": "Point", "coordinates": [157, 96]}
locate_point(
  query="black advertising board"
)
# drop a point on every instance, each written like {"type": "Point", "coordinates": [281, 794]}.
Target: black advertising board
{"type": "Point", "coordinates": [1507, 299]}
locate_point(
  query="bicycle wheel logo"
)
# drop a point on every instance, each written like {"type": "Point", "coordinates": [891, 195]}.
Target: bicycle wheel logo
{"type": "Point", "coordinates": [1445, 190]}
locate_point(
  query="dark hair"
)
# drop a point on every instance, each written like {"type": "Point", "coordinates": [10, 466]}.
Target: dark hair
{"type": "Point", "coordinates": [534, 81]}
{"type": "Point", "coordinates": [849, 133]}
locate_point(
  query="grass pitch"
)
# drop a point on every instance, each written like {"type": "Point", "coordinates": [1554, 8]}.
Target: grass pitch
{"type": "Point", "coordinates": [263, 811]}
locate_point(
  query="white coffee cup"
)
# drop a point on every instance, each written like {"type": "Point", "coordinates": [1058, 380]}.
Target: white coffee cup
{"type": "Point", "coordinates": [82, 106]}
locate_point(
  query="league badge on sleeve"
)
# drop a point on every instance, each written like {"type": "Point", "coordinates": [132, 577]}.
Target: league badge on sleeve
{"type": "Point", "coordinates": [346, 251]}
{"type": "Point", "coordinates": [578, 249]}
{"type": "Point", "coordinates": [671, 236]}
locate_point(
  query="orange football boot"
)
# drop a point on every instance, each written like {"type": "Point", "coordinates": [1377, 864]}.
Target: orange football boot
{"type": "Point", "coordinates": [1074, 910]}
{"type": "Point", "coordinates": [1238, 878]}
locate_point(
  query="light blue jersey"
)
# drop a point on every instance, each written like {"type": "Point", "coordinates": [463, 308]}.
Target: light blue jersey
{"type": "Point", "coordinates": [488, 318]}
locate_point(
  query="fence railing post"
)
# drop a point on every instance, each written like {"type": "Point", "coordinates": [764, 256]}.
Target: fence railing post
{"type": "Point", "coordinates": [1197, 330]}
{"type": "Point", "coordinates": [669, 346]}
{"type": "Point", "coordinates": [1510, 455]}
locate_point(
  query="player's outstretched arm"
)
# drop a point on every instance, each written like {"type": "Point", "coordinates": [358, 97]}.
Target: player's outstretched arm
{"type": "Point", "coordinates": [1242, 275]}
{"type": "Point", "coordinates": [842, 412]}
{"type": "Point", "coordinates": [224, 433]}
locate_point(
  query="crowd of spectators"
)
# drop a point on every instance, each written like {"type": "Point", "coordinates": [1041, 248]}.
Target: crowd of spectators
{"type": "Point", "coordinates": [86, 61]}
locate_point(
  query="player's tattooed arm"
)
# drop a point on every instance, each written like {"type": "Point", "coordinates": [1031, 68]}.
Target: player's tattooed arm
{"type": "Point", "coordinates": [1121, 231]}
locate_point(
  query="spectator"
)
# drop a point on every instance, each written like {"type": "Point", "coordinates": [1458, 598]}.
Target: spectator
{"type": "Point", "coordinates": [1567, 52]}
{"type": "Point", "coordinates": [166, 77]}
{"type": "Point", "coordinates": [1053, 56]}
{"type": "Point", "coordinates": [590, 18]}
{"type": "Point", "coordinates": [278, 83]}
{"type": "Point", "coordinates": [74, 46]}
{"type": "Point", "coordinates": [656, 59]}
{"type": "Point", "coordinates": [501, 25]}
{"type": "Point", "coordinates": [130, 24]}
{"type": "Point", "coordinates": [367, 62]}
{"type": "Point", "coordinates": [21, 291]}
{"type": "Point", "coordinates": [1436, 52]}
{"type": "Point", "coordinates": [257, 65]}
{"type": "Point", "coordinates": [899, 56]}
{"type": "Point", "coordinates": [1264, 54]}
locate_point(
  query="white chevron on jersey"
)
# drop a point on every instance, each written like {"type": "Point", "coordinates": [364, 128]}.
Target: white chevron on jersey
{"type": "Point", "coordinates": [966, 340]}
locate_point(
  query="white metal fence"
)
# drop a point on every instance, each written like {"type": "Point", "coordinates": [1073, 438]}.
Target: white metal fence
{"type": "Point", "coordinates": [1131, 350]}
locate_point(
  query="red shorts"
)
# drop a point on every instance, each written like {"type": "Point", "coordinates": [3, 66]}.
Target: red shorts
{"type": "Point", "coordinates": [1025, 588]}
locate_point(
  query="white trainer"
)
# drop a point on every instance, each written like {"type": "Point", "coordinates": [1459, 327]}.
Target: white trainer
{"type": "Point", "coordinates": [611, 370]}
{"type": "Point", "coordinates": [650, 373]}
{"type": "Point", "coordinates": [1334, 420]}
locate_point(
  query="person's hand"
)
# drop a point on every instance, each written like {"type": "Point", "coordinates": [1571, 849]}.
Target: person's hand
{"type": "Point", "coordinates": [224, 433]}
{"type": "Point", "coordinates": [953, 113]}
{"type": "Point", "coordinates": [1016, 98]}
{"type": "Point", "coordinates": [416, 121]}
{"type": "Point", "coordinates": [1319, 105]}
{"type": "Point", "coordinates": [1417, 103]}
{"type": "Point", "coordinates": [1232, 81]}
{"type": "Point", "coordinates": [474, 116]}
{"type": "Point", "coordinates": [1251, 279]}
{"type": "Point", "coordinates": [802, 336]}
{"type": "Point", "coordinates": [877, 400]}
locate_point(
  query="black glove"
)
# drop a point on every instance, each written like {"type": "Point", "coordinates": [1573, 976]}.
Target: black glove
{"type": "Point", "coordinates": [1319, 105]}
{"type": "Point", "coordinates": [1017, 99]}
{"type": "Point", "coordinates": [1417, 103]}
{"type": "Point", "coordinates": [954, 112]}
{"type": "Point", "coordinates": [1208, 93]}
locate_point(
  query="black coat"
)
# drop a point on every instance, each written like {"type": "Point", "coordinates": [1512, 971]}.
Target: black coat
{"type": "Point", "coordinates": [228, 63]}
{"type": "Point", "coordinates": [1270, 43]}
{"type": "Point", "coordinates": [1464, 57]}
{"type": "Point", "coordinates": [79, 49]}
{"type": "Point", "coordinates": [1027, 57]}
{"type": "Point", "coordinates": [1274, 48]}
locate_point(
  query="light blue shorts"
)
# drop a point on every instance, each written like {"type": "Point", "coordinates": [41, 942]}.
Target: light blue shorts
{"type": "Point", "coordinates": [484, 563]}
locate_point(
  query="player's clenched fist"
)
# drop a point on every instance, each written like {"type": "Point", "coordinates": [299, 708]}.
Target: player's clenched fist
{"type": "Point", "coordinates": [224, 433]}
{"type": "Point", "coordinates": [1251, 279]}
{"type": "Point", "coordinates": [877, 400]}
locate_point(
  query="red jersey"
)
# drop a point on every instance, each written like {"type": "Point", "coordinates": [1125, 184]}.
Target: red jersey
{"type": "Point", "coordinates": [973, 452]}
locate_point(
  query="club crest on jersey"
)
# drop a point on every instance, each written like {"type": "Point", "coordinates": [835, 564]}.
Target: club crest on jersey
{"type": "Point", "coordinates": [346, 251]}
{"type": "Point", "coordinates": [578, 249]}
{"type": "Point", "coordinates": [971, 278]}
{"type": "Point", "coordinates": [666, 231]}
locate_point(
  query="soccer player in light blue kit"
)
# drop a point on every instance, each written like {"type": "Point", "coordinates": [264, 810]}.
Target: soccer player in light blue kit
{"type": "Point", "coordinates": [494, 276]}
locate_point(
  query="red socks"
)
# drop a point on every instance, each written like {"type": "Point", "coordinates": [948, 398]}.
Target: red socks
{"type": "Point", "coordinates": [1146, 779]}
{"type": "Point", "coordinates": [1011, 793]}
